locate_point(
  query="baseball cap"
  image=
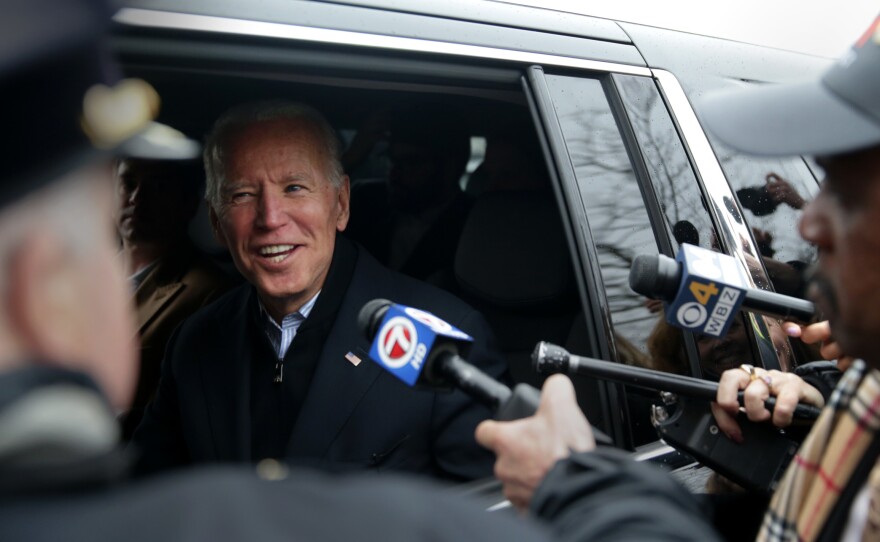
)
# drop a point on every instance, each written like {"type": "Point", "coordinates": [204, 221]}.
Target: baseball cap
{"type": "Point", "coordinates": [840, 112]}
{"type": "Point", "coordinates": [65, 101]}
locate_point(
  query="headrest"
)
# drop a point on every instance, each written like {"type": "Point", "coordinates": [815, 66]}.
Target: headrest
{"type": "Point", "coordinates": [513, 252]}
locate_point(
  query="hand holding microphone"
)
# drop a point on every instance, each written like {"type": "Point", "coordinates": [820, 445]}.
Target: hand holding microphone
{"type": "Point", "coordinates": [704, 290]}
{"type": "Point", "coordinates": [420, 349]}
{"type": "Point", "coordinates": [752, 390]}
{"type": "Point", "coordinates": [820, 334]}
{"type": "Point", "coordinates": [527, 449]}
{"type": "Point", "coordinates": [550, 358]}
{"type": "Point", "coordinates": [423, 350]}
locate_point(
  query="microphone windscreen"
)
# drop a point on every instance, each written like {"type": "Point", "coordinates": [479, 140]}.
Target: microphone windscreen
{"type": "Point", "coordinates": [643, 274]}
{"type": "Point", "coordinates": [370, 315]}
{"type": "Point", "coordinates": [655, 276]}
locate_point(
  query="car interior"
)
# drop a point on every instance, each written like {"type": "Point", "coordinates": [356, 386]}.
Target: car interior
{"type": "Point", "coordinates": [513, 261]}
{"type": "Point", "coordinates": [516, 260]}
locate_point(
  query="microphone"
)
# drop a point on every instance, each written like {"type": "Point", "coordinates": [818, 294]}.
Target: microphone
{"type": "Point", "coordinates": [691, 427]}
{"type": "Point", "coordinates": [550, 358]}
{"type": "Point", "coordinates": [422, 350]}
{"type": "Point", "coordinates": [704, 290]}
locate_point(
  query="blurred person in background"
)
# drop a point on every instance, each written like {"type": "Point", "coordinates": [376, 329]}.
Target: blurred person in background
{"type": "Point", "coordinates": [170, 278]}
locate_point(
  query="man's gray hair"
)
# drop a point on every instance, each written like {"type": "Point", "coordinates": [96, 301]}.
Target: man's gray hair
{"type": "Point", "coordinates": [242, 116]}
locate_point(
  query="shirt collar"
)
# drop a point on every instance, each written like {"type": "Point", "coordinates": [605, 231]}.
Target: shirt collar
{"type": "Point", "coordinates": [138, 277]}
{"type": "Point", "coordinates": [293, 319]}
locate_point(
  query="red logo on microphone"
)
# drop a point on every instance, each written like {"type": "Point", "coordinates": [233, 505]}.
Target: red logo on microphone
{"type": "Point", "coordinates": [397, 342]}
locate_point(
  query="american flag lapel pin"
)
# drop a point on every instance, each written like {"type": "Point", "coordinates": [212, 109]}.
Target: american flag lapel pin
{"type": "Point", "coordinates": [353, 359]}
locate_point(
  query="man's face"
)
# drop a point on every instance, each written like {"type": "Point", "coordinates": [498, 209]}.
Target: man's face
{"type": "Point", "coordinates": [279, 211]}
{"type": "Point", "coordinates": [844, 224]}
{"type": "Point", "coordinates": [151, 203]}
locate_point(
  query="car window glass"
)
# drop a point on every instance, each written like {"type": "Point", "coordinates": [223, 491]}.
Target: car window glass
{"type": "Point", "coordinates": [620, 228]}
{"type": "Point", "coordinates": [687, 220]}
{"type": "Point", "coordinates": [673, 179]}
{"type": "Point", "coordinates": [772, 193]}
{"type": "Point", "coordinates": [615, 209]}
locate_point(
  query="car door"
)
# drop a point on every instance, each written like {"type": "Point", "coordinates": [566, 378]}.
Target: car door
{"type": "Point", "coordinates": [628, 165]}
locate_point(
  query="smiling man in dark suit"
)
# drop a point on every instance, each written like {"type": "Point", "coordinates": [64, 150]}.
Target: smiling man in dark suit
{"type": "Point", "coordinates": [273, 369]}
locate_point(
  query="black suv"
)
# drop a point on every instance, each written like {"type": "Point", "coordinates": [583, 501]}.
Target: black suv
{"type": "Point", "coordinates": [606, 108]}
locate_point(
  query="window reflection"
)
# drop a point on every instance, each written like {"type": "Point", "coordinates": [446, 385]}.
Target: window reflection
{"type": "Point", "coordinates": [620, 228]}
{"type": "Point", "coordinates": [772, 193]}
{"type": "Point", "coordinates": [671, 173]}
{"type": "Point", "coordinates": [688, 220]}
{"type": "Point", "coordinates": [615, 209]}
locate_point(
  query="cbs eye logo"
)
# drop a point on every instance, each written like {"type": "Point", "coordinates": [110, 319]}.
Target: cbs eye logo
{"type": "Point", "coordinates": [694, 313]}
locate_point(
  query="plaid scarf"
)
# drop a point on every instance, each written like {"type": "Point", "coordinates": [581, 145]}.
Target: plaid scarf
{"type": "Point", "coordinates": [826, 461]}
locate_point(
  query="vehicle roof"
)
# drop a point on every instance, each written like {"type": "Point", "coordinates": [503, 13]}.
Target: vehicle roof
{"type": "Point", "coordinates": [607, 41]}
{"type": "Point", "coordinates": [700, 63]}
{"type": "Point", "coordinates": [494, 24]}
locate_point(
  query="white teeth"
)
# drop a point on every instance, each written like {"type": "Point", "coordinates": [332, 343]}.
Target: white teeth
{"type": "Point", "coordinates": [280, 250]}
{"type": "Point", "coordinates": [274, 249]}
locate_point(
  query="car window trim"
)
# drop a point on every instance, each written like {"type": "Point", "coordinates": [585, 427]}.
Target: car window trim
{"type": "Point", "coordinates": [170, 20]}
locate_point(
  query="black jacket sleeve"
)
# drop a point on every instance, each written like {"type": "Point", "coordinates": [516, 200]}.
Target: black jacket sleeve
{"type": "Point", "coordinates": [605, 495]}
{"type": "Point", "coordinates": [822, 375]}
{"type": "Point", "coordinates": [455, 415]}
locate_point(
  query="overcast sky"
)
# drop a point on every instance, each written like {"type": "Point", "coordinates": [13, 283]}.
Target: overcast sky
{"type": "Point", "coordinates": [820, 27]}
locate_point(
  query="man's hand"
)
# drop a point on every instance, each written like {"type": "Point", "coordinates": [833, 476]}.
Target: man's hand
{"type": "Point", "coordinates": [526, 449]}
{"type": "Point", "coordinates": [820, 332]}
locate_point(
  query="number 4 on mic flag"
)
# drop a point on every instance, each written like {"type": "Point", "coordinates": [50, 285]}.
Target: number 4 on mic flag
{"type": "Point", "coordinates": [712, 290]}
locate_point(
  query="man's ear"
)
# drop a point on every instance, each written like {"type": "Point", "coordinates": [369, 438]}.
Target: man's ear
{"type": "Point", "coordinates": [344, 202]}
{"type": "Point", "coordinates": [44, 298]}
{"type": "Point", "coordinates": [215, 227]}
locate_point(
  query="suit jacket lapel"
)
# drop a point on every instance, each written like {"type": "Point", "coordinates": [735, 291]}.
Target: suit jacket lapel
{"type": "Point", "coordinates": [337, 385]}
{"type": "Point", "coordinates": [155, 303]}
{"type": "Point", "coordinates": [224, 365]}
{"type": "Point", "coordinates": [336, 389]}
{"type": "Point", "coordinates": [156, 291]}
